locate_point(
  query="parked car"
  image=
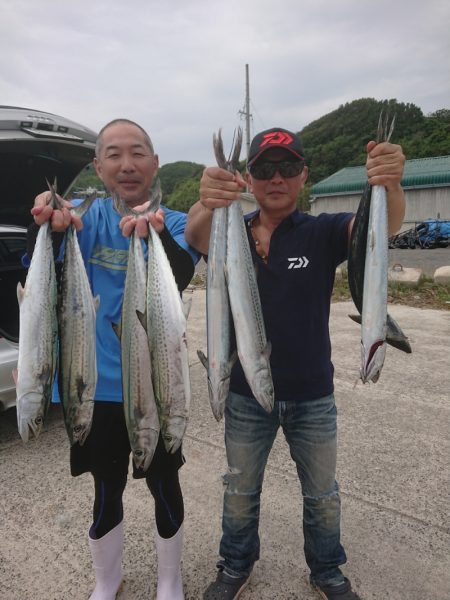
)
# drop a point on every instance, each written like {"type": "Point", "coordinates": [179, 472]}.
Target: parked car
{"type": "Point", "coordinates": [13, 245]}
{"type": "Point", "coordinates": [34, 146]}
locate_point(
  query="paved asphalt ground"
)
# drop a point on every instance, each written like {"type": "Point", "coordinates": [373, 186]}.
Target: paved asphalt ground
{"type": "Point", "coordinates": [393, 468]}
{"type": "Point", "coordinates": [427, 260]}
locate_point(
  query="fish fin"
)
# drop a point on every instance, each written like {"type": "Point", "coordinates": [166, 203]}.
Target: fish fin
{"type": "Point", "coordinates": [142, 319]}
{"type": "Point", "coordinates": [186, 306]}
{"type": "Point", "coordinates": [117, 329]}
{"type": "Point", "coordinates": [202, 358]}
{"type": "Point", "coordinates": [400, 344]}
{"type": "Point", "coordinates": [356, 318]}
{"type": "Point", "coordinates": [233, 359]}
{"type": "Point", "coordinates": [395, 336]}
{"type": "Point", "coordinates": [20, 293]}
{"type": "Point", "coordinates": [84, 206]}
{"type": "Point", "coordinates": [44, 376]}
{"type": "Point", "coordinates": [267, 350]}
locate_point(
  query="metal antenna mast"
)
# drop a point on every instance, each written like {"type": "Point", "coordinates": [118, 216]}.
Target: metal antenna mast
{"type": "Point", "coordinates": [246, 111]}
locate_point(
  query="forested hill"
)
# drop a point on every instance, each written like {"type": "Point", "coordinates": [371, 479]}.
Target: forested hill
{"type": "Point", "coordinates": [336, 140]}
{"type": "Point", "coordinates": [339, 138]}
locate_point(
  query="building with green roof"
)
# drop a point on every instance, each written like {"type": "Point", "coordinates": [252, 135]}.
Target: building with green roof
{"type": "Point", "coordinates": [426, 182]}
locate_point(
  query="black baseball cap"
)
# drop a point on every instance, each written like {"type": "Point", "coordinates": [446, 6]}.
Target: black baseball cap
{"type": "Point", "coordinates": [277, 137]}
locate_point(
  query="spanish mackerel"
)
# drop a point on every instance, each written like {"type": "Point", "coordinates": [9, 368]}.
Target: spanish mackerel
{"type": "Point", "coordinates": [374, 309]}
{"type": "Point", "coordinates": [38, 335]}
{"type": "Point", "coordinates": [356, 269]}
{"type": "Point", "coordinates": [141, 414]}
{"type": "Point", "coordinates": [165, 323]}
{"type": "Point", "coordinates": [218, 319]}
{"type": "Point", "coordinates": [252, 345]}
{"type": "Point", "coordinates": [77, 371]}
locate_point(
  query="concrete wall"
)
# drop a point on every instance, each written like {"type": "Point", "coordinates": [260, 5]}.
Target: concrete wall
{"type": "Point", "coordinates": [421, 204]}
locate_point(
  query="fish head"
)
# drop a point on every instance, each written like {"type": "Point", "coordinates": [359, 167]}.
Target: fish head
{"type": "Point", "coordinates": [30, 415]}
{"type": "Point", "coordinates": [140, 458]}
{"type": "Point", "coordinates": [80, 433]}
{"type": "Point", "coordinates": [263, 391]}
{"type": "Point", "coordinates": [372, 360]}
{"type": "Point", "coordinates": [173, 433]}
{"type": "Point", "coordinates": [80, 421]}
{"type": "Point", "coordinates": [218, 393]}
{"type": "Point", "coordinates": [143, 445]}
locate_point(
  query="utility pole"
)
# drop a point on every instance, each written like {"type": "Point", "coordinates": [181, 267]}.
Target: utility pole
{"type": "Point", "coordinates": [246, 111]}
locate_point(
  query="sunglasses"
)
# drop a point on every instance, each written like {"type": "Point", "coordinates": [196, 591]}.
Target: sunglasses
{"type": "Point", "coordinates": [266, 169]}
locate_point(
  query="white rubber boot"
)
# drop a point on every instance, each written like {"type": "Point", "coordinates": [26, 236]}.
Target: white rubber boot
{"type": "Point", "coordinates": [107, 562]}
{"type": "Point", "coordinates": [170, 584]}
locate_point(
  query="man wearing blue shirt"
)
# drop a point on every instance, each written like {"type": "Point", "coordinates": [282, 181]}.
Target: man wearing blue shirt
{"type": "Point", "coordinates": [296, 257]}
{"type": "Point", "coordinates": [126, 162]}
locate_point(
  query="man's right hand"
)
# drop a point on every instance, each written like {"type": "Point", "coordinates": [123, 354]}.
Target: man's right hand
{"type": "Point", "coordinates": [219, 187]}
{"type": "Point", "coordinates": [60, 218]}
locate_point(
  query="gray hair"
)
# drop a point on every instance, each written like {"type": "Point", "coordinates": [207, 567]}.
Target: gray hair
{"type": "Point", "coordinates": [99, 142]}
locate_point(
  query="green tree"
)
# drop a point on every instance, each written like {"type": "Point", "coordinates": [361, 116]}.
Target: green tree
{"type": "Point", "coordinates": [339, 138]}
{"type": "Point", "coordinates": [172, 174]}
{"type": "Point", "coordinates": [185, 194]}
{"type": "Point", "coordinates": [87, 179]}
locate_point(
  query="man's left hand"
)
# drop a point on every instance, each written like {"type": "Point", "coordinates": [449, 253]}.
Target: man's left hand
{"type": "Point", "coordinates": [139, 224]}
{"type": "Point", "coordinates": [385, 163]}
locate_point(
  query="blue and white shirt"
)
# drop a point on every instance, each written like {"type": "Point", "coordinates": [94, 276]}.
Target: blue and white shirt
{"type": "Point", "coordinates": [105, 253]}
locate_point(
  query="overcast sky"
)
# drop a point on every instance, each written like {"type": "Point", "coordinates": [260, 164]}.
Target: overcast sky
{"type": "Point", "coordinates": [177, 67]}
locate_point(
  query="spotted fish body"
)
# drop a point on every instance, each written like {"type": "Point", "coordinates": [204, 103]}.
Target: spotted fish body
{"type": "Point", "coordinates": [166, 325]}
{"type": "Point", "coordinates": [38, 336]}
{"type": "Point", "coordinates": [77, 376]}
{"type": "Point", "coordinates": [252, 345]}
{"type": "Point", "coordinates": [219, 361]}
{"type": "Point", "coordinates": [141, 414]}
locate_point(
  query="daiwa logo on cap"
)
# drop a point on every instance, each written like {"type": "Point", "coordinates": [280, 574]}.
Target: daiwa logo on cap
{"type": "Point", "coordinates": [277, 137]}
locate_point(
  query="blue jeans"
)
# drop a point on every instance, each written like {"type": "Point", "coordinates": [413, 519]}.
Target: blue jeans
{"type": "Point", "coordinates": [310, 430]}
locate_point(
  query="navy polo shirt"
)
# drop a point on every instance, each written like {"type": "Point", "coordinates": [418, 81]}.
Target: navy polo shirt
{"type": "Point", "coordinates": [295, 287]}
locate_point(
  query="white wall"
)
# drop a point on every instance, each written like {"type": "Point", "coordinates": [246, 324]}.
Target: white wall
{"type": "Point", "coordinates": [421, 204]}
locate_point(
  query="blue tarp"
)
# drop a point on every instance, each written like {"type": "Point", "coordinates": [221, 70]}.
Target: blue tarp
{"type": "Point", "coordinates": [432, 232]}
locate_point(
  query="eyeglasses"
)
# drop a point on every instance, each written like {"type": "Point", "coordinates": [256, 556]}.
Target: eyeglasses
{"type": "Point", "coordinates": [267, 169]}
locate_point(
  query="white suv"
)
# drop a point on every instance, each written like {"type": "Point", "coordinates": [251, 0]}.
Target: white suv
{"type": "Point", "coordinates": [34, 146]}
{"type": "Point", "coordinates": [13, 245]}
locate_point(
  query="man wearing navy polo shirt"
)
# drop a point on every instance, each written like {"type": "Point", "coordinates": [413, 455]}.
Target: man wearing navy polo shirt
{"type": "Point", "coordinates": [296, 255]}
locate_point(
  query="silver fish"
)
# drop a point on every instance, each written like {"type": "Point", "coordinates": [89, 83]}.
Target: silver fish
{"type": "Point", "coordinates": [219, 361]}
{"type": "Point", "coordinates": [166, 330]}
{"type": "Point", "coordinates": [141, 414]}
{"type": "Point", "coordinates": [77, 372]}
{"type": "Point", "coordinates": [374, 307]}
{"type": "Point", "coordinates": [38, 337]}
{"type": "Point", "coordinates": [356, 266]}
{"type": "Point", "coordinates": [252, 345]}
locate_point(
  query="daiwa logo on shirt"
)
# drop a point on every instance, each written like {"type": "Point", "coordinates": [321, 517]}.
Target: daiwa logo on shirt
{"type": "Point", "coordinates": [300, 262]}
{"type": "Point", "coordinates": [277, 137]}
